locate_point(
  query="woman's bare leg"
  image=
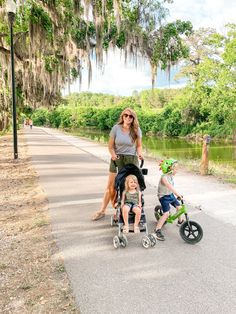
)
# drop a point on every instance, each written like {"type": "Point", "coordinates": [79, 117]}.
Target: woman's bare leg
{"type": "Point", "coordinates": [107, 195]}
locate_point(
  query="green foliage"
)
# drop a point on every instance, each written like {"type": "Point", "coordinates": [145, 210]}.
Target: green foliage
{"type": "Point", "coordinates": [173, 124]}
{"type": "Point", "coordinates": [81, 30]}
{"type": "Point", "coordinates": [120, 40]}
{"type": "Point", "coordinates": [39, 16]}
{"type": "Point", "coordinates": [74, 73]}
{"type": "Point", "coordinates": [53, 118]}
{"type": "Point", "coordinates": [169, 47]}
{"type": "Point", "coordinates": [40, 117]}
{"type": "Point", "coordinates": [66, 117]}
{"type": "Point", "coordinates": [51, 63]}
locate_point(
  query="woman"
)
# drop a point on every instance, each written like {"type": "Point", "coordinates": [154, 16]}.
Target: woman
{"type": "Point", "coordinates": [125, 147]}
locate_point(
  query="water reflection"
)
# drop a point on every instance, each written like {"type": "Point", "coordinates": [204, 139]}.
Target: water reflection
{"type": "Point", "coordinates": [219, 152]}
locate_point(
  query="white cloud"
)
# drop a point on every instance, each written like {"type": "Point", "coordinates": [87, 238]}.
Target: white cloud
{"type": "Point", "coordinates": [117, 78]}
{"type": "Point", "coordinates": [204, 13]}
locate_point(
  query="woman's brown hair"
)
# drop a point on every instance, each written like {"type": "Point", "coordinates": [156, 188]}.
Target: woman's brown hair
{"type": "Point", "coordinates": [134, 125]}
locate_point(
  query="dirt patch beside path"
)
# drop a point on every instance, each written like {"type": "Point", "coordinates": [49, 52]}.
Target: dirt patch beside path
{"type": "Point", "coordinates": [32, 272]}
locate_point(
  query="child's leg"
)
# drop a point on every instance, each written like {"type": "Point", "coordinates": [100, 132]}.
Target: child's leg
{"type": "Point", "coordinates": [158, 233]}
{"type": "Point", "coordinates": [125, 214]}
{"type": "Point", "coordinates": [165, 203]}
{"type": "Point", "coordinates": [162, 220]}
{"type": "Point", "coordinates": [180, 219]}
{"type": "Point", "coordinates": [137, 211]}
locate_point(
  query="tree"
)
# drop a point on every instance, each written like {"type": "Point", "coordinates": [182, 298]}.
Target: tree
{"type": "Point", "coordinates": [54, 39]}
{"type": "Point", "coordinates": [212, 90]}
{"type": "Point", "coordinates": [203, 43]}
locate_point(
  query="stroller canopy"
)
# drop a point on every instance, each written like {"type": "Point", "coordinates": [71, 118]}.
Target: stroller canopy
{"type": "Point", "coordinates": [124, 172]}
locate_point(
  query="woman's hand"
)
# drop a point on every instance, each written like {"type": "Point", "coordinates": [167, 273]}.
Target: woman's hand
{"type": "Point", "coordinates": [114, 157]}
{"type": "Point", "coordinates": [140, 156]}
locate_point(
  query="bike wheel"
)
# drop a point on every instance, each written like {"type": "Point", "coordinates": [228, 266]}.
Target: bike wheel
{"type": "Point", "coordinates": [191, 232]}
{"type": "Point", "coordinates": [158, 212]}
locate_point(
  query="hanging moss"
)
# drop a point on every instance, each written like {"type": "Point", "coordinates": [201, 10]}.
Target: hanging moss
{"type": "Point", "coordinates": [51, 63]}
{"type": "Point", "coordinates": [40, 17]}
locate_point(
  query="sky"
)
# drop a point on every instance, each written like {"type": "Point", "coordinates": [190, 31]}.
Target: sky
{"type": "Point", "coordinates": [120, 79]}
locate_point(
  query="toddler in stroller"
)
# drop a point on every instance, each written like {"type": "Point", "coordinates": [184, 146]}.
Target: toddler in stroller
{"type": "Point", "coordinates": [131, 223]}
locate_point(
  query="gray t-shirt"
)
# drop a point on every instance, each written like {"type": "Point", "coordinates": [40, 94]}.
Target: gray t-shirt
{"type": "Point", "coordinates": [123, 141]}
{"type": "Point", "coordinates": [163, 190]}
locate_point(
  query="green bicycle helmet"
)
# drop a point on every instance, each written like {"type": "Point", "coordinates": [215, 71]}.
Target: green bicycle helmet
{"type": "Point", "coordinates": [166, 165]}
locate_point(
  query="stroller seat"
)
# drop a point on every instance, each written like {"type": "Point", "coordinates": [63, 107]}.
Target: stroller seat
{"type": "Point", "coordinates": [121, 240]}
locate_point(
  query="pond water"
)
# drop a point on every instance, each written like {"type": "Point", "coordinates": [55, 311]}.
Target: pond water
{"type": "Point", "coordinates": [219, 152]}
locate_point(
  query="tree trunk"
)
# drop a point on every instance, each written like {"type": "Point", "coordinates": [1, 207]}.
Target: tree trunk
{"type": "Point", "coordinates": [205, 159]}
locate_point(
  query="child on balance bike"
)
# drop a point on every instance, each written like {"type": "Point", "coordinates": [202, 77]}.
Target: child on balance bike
{"type": "Point", "coordinates": [167, 194]}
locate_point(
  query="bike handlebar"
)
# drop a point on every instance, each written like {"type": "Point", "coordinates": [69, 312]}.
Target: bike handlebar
{"type": "Point", "coordinates": [181, 200]}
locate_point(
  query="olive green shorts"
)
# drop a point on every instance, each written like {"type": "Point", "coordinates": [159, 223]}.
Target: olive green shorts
{"type": "Point", "coordinates": [122, 161]}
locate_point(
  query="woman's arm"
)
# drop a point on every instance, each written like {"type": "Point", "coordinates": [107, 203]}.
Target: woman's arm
{"type": "Point", "coordinates": [139, 147]}
{"type": "Point", "coordinates": [111, 148]}
{"type": "Point", "coordinates": [170, 186]}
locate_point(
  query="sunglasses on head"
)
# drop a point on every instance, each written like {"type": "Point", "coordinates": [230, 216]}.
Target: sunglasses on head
{"type": "Point", "coordinates": [126, 115]}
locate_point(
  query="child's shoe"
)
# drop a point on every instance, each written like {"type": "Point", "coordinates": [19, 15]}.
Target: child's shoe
{"type": "Point", "coordinates": [158, 234]}
{"type": "Point", "coordinates": [179, 223]}
{"type": "Point", "coordinates": [136, 229]}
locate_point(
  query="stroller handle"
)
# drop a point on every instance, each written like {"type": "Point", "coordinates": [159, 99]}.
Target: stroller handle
{"type": "Point", "coordinates": [141, 164]}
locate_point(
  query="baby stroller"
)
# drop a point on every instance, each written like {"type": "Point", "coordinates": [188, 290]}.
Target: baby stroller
{"type": "Point", "coordinates": [120, 240]}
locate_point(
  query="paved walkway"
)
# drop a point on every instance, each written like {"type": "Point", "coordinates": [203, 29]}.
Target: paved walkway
{"type": "Point", "coordinates": [172, 277]}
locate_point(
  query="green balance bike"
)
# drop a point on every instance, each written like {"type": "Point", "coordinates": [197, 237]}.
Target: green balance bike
{"type": "Point", "coordinates": [190, 231]}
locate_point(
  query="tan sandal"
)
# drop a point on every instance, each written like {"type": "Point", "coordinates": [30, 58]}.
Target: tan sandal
{"type": "Point", "coordinates": [126, 229]}
{"type": "Point", "coordinates": [98, 215]}
{"type": "Point", "coordinates": [136, 229]}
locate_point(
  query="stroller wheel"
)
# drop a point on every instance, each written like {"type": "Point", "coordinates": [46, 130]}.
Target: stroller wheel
{"type": "Point", "coordinates": [146, 242]}
{"type": "Point", "coordinates": [152, 239]}
{"type": "Point", "coordinates": [123, 241]}
{"type": "Point", "coordinates": [113, 220]}
{"type": "Point", "coordinates": [116, 242]}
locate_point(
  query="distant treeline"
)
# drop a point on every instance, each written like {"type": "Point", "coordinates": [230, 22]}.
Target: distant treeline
{"type": "Point", "coordinates": [166, 112]}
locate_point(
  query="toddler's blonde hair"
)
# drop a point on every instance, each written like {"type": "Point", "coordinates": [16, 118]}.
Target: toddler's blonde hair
{"type": "Point", "coordinates": [128, 178]}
